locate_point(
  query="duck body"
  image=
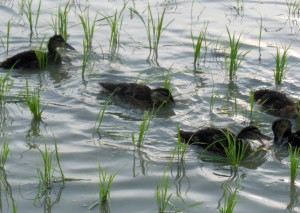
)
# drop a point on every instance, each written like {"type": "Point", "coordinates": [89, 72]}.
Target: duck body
{"type": "Point", "coordinates": [29, 59]}
{"type": "Point", "coordinates": [276, 103]}
{"type": "Point", "coordinates": [139, 94]}
{"type": "Point", "coordinates": [216, 140]}
{"type": "Point", "coordinates": [283, 135]}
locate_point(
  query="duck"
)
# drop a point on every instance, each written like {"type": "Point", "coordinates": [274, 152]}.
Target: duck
{"type": "Point", "coordinates": [139, 94]}
{"type": "Point", "coordinates": [283, 135]}
{"type": "Point", "coordinates": [214, 139]}
{"type": "Point", "coordinates": [276, 103]}
{"type": "Point", "coordinates": [29, 60]}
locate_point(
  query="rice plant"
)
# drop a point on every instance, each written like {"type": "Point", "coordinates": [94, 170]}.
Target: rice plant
{"type": "Point", "coordinates": [198, 45]}
{"type": "Point", "coordinates": [235, 150]}
{"type": "Point", "coordinates": [4, 152]}
{"type": "Point", "coordinates": [105, 183]}
{"type": "Point", "coordinates": [235, 56]}
{"type": "Point", "coordinates": [32, 99]}
{"type": "Point", "coordinates": [229, 200]}
{"type": "Point", "coordinates": [26, 7]}
{"type": "Point", "coordinates": [101, 113]}
{"type": "Point", "coordinates": [181, 148]}
{"type": "Point", "coordinates": [41, 55]}
{"type": "Point", "coordinates": [163, 198]}
{"type": "Point", "coordinates": [60, 22]}
{"type": "Point", "coordinates": [167, 83]}
{"type": "Point", "coordinates": [293, 7]}
{"type": "Point", "coordinates": [154, 29]}
{"type": "Point", "coordinates": [5, 86]}
{"type": "Point", "coordinates": [7, 37]}
{"type": "Point", "coordinates": [281, 64]}
{"type": "Point", "coordinates": [88, 28]}
{"type": "Point", "coordinates": [259, 38]}
{"type": "Point", "coordinates": [143, 129]}
{"type": "Point", "coordinates": [212, 102]}
{"type": "Point", "coordinates": [294, 154]}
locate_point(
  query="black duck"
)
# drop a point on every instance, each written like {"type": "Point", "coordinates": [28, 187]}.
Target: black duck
{"type": "Point", "coordinates": [138, 94]}
{"type": "Point", "coordinates": [283, 135]}
{"type": "Point", "coordinates": [29, 60]}
{"type": "Point", "coordinates": [276, 103]}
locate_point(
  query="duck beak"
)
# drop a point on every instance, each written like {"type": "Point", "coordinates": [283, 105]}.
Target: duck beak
{"type": "Point", "coordinates": [69, 46]}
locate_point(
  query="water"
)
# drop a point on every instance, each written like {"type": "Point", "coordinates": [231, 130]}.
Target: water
{"type": "Point", "coordinates": [72, 105]}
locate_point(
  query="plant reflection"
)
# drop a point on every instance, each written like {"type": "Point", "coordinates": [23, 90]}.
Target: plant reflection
{"type": "Point", "coordinates": [294, 198]}
{"type": "Point", "coordinates": [7, 191]}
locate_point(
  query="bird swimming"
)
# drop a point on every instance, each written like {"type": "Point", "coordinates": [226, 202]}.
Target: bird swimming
{"type": "Point", "coordinates": [216, 140]}
{"type": "Point", "coordinates": [276, 103]}
{"type": "Point", "coordinates": [139, 94]}
{"type": "Point", "coordinates": [29, 59]}
{"type": "Point", "coordinates": [283, 135]}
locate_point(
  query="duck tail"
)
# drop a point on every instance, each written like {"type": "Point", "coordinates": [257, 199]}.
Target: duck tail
{"type": "Point", "coordinates": [186, 137]}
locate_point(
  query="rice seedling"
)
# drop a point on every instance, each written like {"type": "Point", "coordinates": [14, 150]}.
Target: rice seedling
{"type": "Point", "coordinates": [229, 200]}
{"type": "Point", "coordinates": [4, 152]}
{"type": "Point", "coordinates": [5, 86]}
{"type": "Point", "coordinates": [7, 36]}
{"type": "Point", "coordinates": [26, 7]}
{"type": "Point", "coordinates": [32, 99]}
{"type": "Point", "coordinates": [60, 22]}
{"type": "Point", "coordinates": [198, 45]}
{"type": "Point", "coordinates": [293, 8]}
{"type": "Point", "coordinates": [143, 129]}
{"type": "Point", "coordinates": [259, 38]}
{"type": "Point", "coordinates": [41, 54]}
{"type": "Point", "coordinates": [181, 148]}
{"type": "Point", "coordinates": [101, 113]}
{"type": "Point", "coordinates": [167, 83]}
{"type": "Point", "coordinates": [235, 57]}
{"type": "Point", "coordinates": [88, 28]}
{"type": "Point", "coordinates": [281, 64]}
{"type": "Point", "coordinates": [162, 196]}
{"type": "Point", "coordinates": [235, 150]}
{"type": "Point", "coordinates": [212, 102]}
{"type": "Point", "coordinates": [294, 154]}
{"type": "Point", "coordinates": [105, 183]}
{"type": "Point", "coordinates": [154, 29]}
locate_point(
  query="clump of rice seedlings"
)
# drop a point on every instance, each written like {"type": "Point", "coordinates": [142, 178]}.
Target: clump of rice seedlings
{"type": "Point", "coordinates": [4, 152]}
{"type": "Point", "coordinates": [60, 22]}
{"type": "Point", "coordinates": [32, 99]}
{"type": "Point", "coordinates": [154, 30]}
{"type": "Point", "coordinates": [167, 83]}
{"type": "Point", "coordinates": [294, 154]}
{"type": "Point", "coordinates": [41, 54]}
{"type": "Point", "coordinates": [235, 56]}
{"type": "Point", "coordinates": [26, 7]}
{"type": "Point", "coordinates": [105, 183]}
{"type": "Point", "coordinates": [5, 86]}
{"type": "Point", "coordinates": [181, 148]}
{"type": "Point", "coordinates": [88, 28]}
{"type": "Point", "coordinates": [235, 150]}
{"type": "Point", "coordinates": [198, 45]}
{"type": "Point", "coordinates": [143, 129]}
{"type": "Point", "coordinates": [281, 64]}
{"type": "Point", "coordinates": [162, 196]}
{"type": "Point", "coordinates": [229, 200]}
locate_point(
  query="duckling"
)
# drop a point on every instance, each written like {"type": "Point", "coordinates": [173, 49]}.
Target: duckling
{"type": "Point", "coordinates": [283, 135]}
{"type": "Point", "coordinates": [215, 139]}
{"type": "Point", "coordinates": [138, 94]}
{"type": "Point", "coordinates": [276, 103]}
{"type": "Point", "coordinates": [29, 60]}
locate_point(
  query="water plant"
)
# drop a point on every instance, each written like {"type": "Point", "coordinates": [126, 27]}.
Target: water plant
{"type": "Point", "coordinates": [26, 7]}
{"type": "Point", "coordinates": [293, 7]}
{"type": "Point", "coordinates": [235, 56]}
{"type": "Point", "coordinates": [198, 45]}
{"type": "Point", "coordinates": [41, 54]}
{"type": "Point", "coordinates": [60, 22]}
{"type": "Point", "coordinates": [105, 183]}
{"type": "Point", "coordinates": [88, 28]}
{"type": "Point", "coordinates": [229, 200]}
{"type": "Point", "coordinates": [7, 36]}
{"type": "Point", "coordinates": [4, 152]}
{"type": "Point", "coordinates": [235, 150]}
{"type": "Point", "coordinates": [162, 196]}
{"type": "Point", "coordinates": [294, 154]}
{"type": "Point", "coordinates": [101, 113]}
{"type": "Point", "coordinates": [5, 86]}
{"type": "Point", "coordinates": [252, 101]}
{"type": "Point", "coordinates": [143, 129]}
{"type": "Point", "coordinates": [181, 148]}
{"type": "Point", "coordinates": [281, 64]}
{"type": "Point", "coordinates": [32, 99]}
{"type": "Point", "coordinates": [154, 29]}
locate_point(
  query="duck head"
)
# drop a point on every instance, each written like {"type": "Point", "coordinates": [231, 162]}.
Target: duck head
{"type": "Point", "coordinates": [161, 96]}
{"type": "Point", "coordinates": [252, 133]}
{"type": "Point", "coordinates": [281, 129]}
{"type": "Point", "coordinates": [57, 41]}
